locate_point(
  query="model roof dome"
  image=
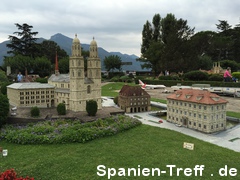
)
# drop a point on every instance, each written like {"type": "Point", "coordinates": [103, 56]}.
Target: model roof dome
{"type": "Point", "coordinates": [93, 42]}
{"type": "Point", "coordinates": [76, 40]}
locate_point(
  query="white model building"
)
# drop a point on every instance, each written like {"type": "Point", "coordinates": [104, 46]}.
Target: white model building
{"type": "Point", "coordinates": [73, 89]}
{"type": "Point", "coordinates": [197, 109]}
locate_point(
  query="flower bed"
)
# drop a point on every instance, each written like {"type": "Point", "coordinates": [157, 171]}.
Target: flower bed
{"type": "Point", "coordinates": [12, 175]}
{"type": "Point", "coordinates": [66, 131]}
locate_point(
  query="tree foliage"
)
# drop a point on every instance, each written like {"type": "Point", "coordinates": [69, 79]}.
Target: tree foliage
{"type": "Point", "coordinates": [112, 62]}
{"type": "Point", "coordinates": [26, 54]}
{"type": "Point", "coordinates": [3, 77]}
{"type": "Point", "coordinates": [163, 43]}
{"type": "Point", "coordinates": [196, 76]}
{"type": "Point", "coordinates": [23, 42]}
{"type": "Point", "coordinates": [4, 109]}
{"type": "Point", "coordinates": [3, 88]}
{"type": "Point", "coordinates": [223, 26]}
{"type": "Point", "coordinates": [63, 65]}
{"type": "Point", "coordinates": [19, 63]}
{"type": "Point", "coordinates": [49, 49]}
{"type": "Point", "coordinates": [170, 44]}
{"type": "Point", "coordinates": [230, 63]}
{"type": "Point", "coordinates": [42, 66]}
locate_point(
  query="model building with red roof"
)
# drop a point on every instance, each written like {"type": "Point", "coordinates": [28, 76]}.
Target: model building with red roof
{"type": "Point", "coordinates": [197, 109]}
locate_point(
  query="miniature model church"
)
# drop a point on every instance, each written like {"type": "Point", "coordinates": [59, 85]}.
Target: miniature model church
{"type": "Point", "coordinates": [73, 89]}
{"type": "Point", "coordinates": [77, 87]}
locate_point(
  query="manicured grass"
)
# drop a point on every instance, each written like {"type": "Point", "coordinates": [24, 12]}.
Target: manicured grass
{"type": "Point", "coordinates": [147, 146]}
{"type": "Point", "coordinates": [112, 89]}
{"type": "Point", "coordinates": [159, 100]}
{"type": "Point", "coordinates": [233, 114]}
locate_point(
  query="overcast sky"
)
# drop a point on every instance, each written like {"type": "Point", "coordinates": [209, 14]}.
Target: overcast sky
{"type": "Point", "coordinates": [116, 24]}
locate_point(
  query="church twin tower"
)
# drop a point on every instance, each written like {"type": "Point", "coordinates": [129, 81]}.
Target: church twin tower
{"type": "Point", "coordinates": [84, 86]}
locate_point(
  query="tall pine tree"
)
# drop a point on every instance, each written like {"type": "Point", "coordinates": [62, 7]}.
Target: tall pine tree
{"type": "Point", "coordinates": [24, 43]}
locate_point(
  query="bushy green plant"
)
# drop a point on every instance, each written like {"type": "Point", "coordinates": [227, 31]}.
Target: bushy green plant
{"type": "Point", "coordinates": [3, 77]}
{"type": "Point", "coordinates": [165, 78]}
{"type": "Point", "coordinates": [131, 75]}
{"type": "Point", "coordinates": [42, 80]}
{"type": "Point", "coordinates": [195, 76]}
{"type": "Point", "coordinates": [67, 131]}
{"type": "Point", "coordinates": [215, 77]}
{"type": "Point", "coordinates": [114, 74]}
{"type": "Point", "coordinates": [35, 112]}
{"type": "Point", "coordinates": [4, 109]}
{"type": "Point", "coordinates": [115, 79]}
{"type": "Point", "coordinates": [91, 107]}
{"type": "Point", "coordinates": [124, 78]}
{"type": "Point", "coordinates": [115, 100]}
{"type": "Point", "coordinates": [61, 109]}
{"type": "Point", "coordinates": [236, 75]}
{"type": "Point", "coordinates": [3, 86]}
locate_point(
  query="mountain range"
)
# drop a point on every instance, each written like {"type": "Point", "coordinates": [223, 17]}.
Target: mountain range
{"type": "Point", "coordinates": [65, 43]}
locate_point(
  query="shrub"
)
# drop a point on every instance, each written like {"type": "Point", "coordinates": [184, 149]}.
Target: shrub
{"type": "Point", "coordinates": [67, 131]}
{"type": "Point", "coordinates": [173, 76]}
{"type": "Point", "coordinates": [115, 100]}
{"type": "Point", "coordinates": [4, 87]}
{"type": "Point", "coordinates": [42, 80]}
{"type": "Point", "coordinates": [124, 78]}
{"type": "Point", "coordinates": [131, 75]}
{"type": "Point", "coordinates": [35, 112]}
{"type": "Point", "coordinates": [4, 109]}
{"type": "Point", "coordinates": [114, 79]}
{"type": "Point", "coordinates": [91, 107]}
{"type": "Point", "coordinates": [165, 78]}
{"type": "Point", "coordinates": [61, 109]}
{"type": "Point", "coordinates": [196, 76]}
{"type": "Point", "coordinates": [113, 74]}
{"type": "Point", "coordinates": [236, 75]}
{"type": "Point", "coordinates": [215, 77]}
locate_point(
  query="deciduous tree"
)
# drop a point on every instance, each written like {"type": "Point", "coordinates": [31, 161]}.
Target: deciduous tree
{"type": "Point", "coordinates": [112, 62]}
{"type": "Point", "coordinates": [49, 49]}
{"type": "Point", "coordinates": [164, 44]}
{"type": "Point", "coordinates": [42, 66]}
{"type": "Point", "coordinates": [63, 65]}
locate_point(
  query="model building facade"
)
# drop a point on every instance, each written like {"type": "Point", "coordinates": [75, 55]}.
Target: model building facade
{"type": "Point", "coordinates": [134, 99]}
{"type": "Point", "coordinates": [197, 109]}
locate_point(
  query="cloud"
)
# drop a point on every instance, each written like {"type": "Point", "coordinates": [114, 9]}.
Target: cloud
{"type": "Point", "coordinates": [117, 25]}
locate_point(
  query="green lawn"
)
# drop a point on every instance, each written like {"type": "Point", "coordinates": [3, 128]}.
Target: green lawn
{"type": "Point", "coordinates": [233, 114]}
{"type": "Point", "coordinates": [147, 146]}
{"type": "Point", "coordinates": [112, 89]}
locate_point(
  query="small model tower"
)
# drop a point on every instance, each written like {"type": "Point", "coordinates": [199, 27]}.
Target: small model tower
{"type": "Point", "coordinates": [76, 72]}
{"type": "Point", "coordinates": [94, 72]}
{"type": "Point", "coordinates": [56, 65]}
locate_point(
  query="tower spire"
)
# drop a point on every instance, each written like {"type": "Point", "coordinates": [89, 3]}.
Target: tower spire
{"type": "Point", "coordinates": [56, 65]}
